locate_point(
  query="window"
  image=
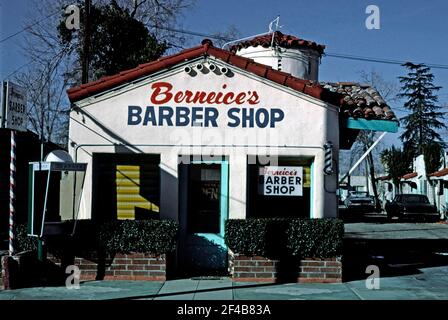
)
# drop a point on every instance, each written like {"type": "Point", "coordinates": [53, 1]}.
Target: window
{"type": "Point", "coordinates": [204, 198]}
{"type": "Point", "coordinates": [125, 186]}
{"type": "Point", "coordinates": [260, 205]}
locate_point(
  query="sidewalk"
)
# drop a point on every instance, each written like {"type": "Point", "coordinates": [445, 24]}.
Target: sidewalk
{"type": "Point", "coordinates": [431, 283]}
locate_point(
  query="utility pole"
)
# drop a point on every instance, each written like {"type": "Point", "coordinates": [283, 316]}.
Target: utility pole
{"type": "Point", "coordinates": [86, 43]}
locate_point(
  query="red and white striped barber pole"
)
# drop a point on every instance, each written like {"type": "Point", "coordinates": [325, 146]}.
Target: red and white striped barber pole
{"type": "Point", "coordinates": [12, 172]}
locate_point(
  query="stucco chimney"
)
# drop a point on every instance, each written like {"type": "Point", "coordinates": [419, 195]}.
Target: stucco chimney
{"type": "Point", "coordinates": [286, 53]}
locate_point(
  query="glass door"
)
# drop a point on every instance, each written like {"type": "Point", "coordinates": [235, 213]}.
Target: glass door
{"type": "Point", "coordinates": [204, 252]}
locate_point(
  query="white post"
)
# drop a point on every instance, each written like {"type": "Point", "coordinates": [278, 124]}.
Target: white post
{"type": "Point", "coordinates": [363, 157]}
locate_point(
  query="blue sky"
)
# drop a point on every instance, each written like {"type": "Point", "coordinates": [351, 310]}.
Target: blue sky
{"type": "Point", "coordinates": [410, 30]}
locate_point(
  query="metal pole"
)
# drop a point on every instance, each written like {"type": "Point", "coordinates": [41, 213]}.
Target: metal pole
{"type": "Point", "coordinates": [40, 245]}
{"type": "Point", "coordinates": [86, 44]}
{"type": "Point", "coordinates": [3, 110]}
{"type": "Point", "coordinates": [12, 171]}
{"type": "Point", "coordinates": [363, 157]}
{"type": "Point", "coordinates": [367, 177]}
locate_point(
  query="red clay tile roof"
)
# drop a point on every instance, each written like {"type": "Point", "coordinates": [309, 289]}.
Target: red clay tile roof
{"type": "Point", "coordinates": [308, 87]}
{"type": "Point", "coordinates": [281, 40]}
{"type": "Point", "coordinates": [355, 100]}
{"type": "Point", "coordinates": [361, 101]}
{"type": "Point", "coordinates": [383, 178]}
{"type": "Point", "coordinates": [440, 173]}
{"type": "Point", "coordinates": [409, 175]}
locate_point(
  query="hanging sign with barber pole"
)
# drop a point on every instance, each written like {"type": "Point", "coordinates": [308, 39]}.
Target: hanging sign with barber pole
{"type": "Point", "coordinates": [14, 117]}
{"type": "Point", "coordinates": [12, 196]}
{"type": "Point", "coordinates": [14, 113]}
{"type": "Point", "coordinates": [281, 181]}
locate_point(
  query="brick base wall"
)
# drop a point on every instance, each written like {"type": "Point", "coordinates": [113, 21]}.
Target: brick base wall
{"type": "Point", "coordinates": [1, 279]}
{"type": "Point", "coordinates": [134, 266]}
{"type": "Point", "coordinates": [261, 269]}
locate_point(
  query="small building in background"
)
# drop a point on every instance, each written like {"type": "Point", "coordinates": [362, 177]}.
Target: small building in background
{"type": "Point", "coordinates": [433, 185]}
{"type": "Point", "coordinates": [440, 183]}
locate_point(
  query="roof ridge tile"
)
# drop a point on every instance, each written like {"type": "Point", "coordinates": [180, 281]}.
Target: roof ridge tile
{"type": "Point", "coordinates": [312, 88]}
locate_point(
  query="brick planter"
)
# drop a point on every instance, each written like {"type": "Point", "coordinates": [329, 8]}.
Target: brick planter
{"type": "Point", "coordinates": [2, 287]}
{"type": "Point", "coordinates": [309, 270]}
{"type": "Point", "coordinates": [134, 266]}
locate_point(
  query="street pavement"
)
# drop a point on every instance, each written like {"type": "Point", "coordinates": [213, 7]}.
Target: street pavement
{"type": "Point", "coordinates": [396, 230]}
{"type": "Point", "coordinates": [397, 248]}
{"type": "Point", "coordinates": [429, 283]}
{"type": "Point", "coordinates": [413, 260]}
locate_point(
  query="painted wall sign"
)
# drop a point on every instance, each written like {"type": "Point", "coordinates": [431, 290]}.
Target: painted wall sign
{"type": "Point", "coordinates": [15, 107]}
{"type": "Point", "coordinates": [281, 181]}
{"type": "Point", "coordinates": [239, 112]}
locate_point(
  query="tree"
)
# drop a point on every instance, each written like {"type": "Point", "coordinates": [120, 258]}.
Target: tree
{"type": "Point", "coordinates": [47, 112]}
{"type": "Point", "coordinates": [432, 154]}
{"type": "Point", "coordinates": [421, 125]}
{"type": "Point", "coordinates": [50, 57]}
{"type": "Point", "coordinates": [121, 41]}
{"type": "Point", "coordinates": [397, 163]}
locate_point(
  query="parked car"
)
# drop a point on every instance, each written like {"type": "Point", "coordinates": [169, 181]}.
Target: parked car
{"type": "Point", "coordinates": [411, 205]}
{"type": "Point", "coordinates": [359, 201]}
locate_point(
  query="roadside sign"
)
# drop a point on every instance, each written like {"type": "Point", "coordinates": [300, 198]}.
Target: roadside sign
{"type": "Point", "coordinates": [281, 181]}
{"type": "Point", "coordinates": [14, 113]}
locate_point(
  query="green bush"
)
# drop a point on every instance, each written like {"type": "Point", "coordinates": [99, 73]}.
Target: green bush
{"type": "Point", "coordinates": [275, 237]}
{"type": "Point", "coordinates": [152, 236]}
{"type": "Point", "coordinates": [263, 236]}
{"type": "Point", "coordinates": [246, 236]}
{"type": "Point", "coordinates": [23, 242]}
{"type": "Point", "coordinates": [315, 238]}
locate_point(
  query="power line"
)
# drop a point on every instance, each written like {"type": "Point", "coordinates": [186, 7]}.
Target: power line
{"type": "Point", "coordinates": [333, 55]}
{"type": "Point", "coordinates": [19, 68]}
{"type": "Point", "coordinates": [192, 33]}
{"type": "Point", "coordinates": [211, 36]}
{"type": "Point", "coordinates": [28, 27]}
{"type": "Point", "coordinates": [382, 60]}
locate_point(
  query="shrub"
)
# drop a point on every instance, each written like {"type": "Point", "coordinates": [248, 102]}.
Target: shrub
{"type": "Point", "coordinates": [144, 236]}
{"type": "Point", "coordinates": [246, 236]}
{"type": "Point", "coordinates": [263, 236]}
{"type": "Point", "coordinates": [23, 242]}
{"type": "Point", "coordinates": [315, 238]}
{"type": "Point", "coordinates": [276, 237]}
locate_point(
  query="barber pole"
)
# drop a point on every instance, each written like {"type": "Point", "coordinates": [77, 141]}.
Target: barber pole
{"type": "Point", "coordinates": [328, 167]}
{"type": "Point", "coordinates": [12, 170]}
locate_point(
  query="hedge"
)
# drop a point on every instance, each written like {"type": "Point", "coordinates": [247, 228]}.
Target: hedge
{"type": "Point", "coordinates": [144, 236]}
{"type": "Point", "coordinates": [23, 242]}
{"type": "Point", "coordinates": [276, 237]}
{"type": "Point", "coordinates": [263, 237]}
{"type": "Point", "coordinates": [316, 238]}
{"type": "Point", "coordinates": [122, 236]}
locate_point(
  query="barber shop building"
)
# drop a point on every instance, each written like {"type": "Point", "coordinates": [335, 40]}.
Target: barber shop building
{"type": "Point", "coordinates": [211, 134]}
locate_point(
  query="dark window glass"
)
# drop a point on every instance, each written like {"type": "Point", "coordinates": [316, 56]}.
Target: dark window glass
{"type": "Point", "coordinates": [204, 199]}
{"type": "Point", "coordinates": [416, 199]}
{"type": "Point", "coordinates": [263, 206]}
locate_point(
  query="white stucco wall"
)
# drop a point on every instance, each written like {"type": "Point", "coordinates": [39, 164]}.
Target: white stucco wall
{"type": "Point", "coordinates": [308, 123]}
{"type": "Point", "coordinates": [303, 64]}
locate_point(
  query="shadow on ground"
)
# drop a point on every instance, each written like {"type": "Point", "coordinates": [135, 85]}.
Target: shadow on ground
{"type": "Point", "coordinates": [394, 255]}
{"type": "Point", "coordinates": [198, 291]}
